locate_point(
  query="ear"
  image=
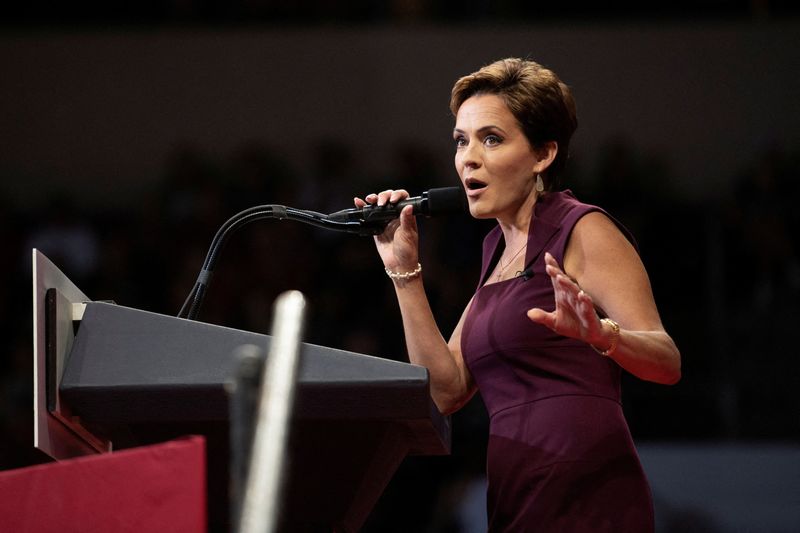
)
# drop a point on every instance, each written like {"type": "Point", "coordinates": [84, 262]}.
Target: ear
{"type": "Point", "coordinates": [545, 155]}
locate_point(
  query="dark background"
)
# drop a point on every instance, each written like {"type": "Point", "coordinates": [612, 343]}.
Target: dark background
{"type": "Point", "coordinates": [129, 133]}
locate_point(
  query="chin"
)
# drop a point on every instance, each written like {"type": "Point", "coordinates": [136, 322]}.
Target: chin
{"type": "Point", "coordinates": [479, 212]}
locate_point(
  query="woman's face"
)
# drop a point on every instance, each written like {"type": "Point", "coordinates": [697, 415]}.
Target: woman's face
{"type": "Point", "coordinates": [494, 159]}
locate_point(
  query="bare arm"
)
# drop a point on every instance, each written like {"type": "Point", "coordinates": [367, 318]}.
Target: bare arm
{"type": "Point", "coordinates": [451, 383]}
{"type": "Point", "coordinates": [602, 269]}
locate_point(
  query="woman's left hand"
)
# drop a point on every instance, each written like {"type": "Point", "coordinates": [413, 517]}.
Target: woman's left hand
{"type": "Point", "coordinates": [574, 315]}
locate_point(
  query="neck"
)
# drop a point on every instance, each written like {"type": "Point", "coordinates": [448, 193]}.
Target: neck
{"type": "Point", "coordinates": [515, 227]}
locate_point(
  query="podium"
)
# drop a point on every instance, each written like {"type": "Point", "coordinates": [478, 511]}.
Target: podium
{"type": "Point", "coordinates": [111, 377]}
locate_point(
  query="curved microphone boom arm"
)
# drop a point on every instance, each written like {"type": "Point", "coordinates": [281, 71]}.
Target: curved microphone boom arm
{"type": "Point", "coordinates": [367, 220]}
{"type": "Point", "coordinates": [192, 304]}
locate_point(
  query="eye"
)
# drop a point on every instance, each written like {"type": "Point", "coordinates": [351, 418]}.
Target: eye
{"type": "Point", "coordinates": [492, 140]}
{"type": "Point", "coordinates": [460, 141]}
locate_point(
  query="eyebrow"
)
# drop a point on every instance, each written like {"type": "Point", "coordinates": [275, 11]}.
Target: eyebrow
{"type": "Point", "coordinates": [483, 129]}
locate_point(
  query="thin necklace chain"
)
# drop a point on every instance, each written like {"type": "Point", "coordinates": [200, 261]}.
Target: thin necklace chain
{"type": "Point", "coordinates": [508, 263]}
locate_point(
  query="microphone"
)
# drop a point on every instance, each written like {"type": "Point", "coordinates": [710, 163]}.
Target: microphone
{"type": "Point", "coordinates": [434, 202]}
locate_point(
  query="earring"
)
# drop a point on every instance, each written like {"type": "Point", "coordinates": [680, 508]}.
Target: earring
{"type": "Point", "coordinates": [539, 183]}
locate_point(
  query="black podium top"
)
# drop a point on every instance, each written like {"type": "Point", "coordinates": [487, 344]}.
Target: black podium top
{"type": "Point", "coordinates": [128, 366]}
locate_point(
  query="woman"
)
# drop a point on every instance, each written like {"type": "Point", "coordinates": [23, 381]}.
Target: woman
{"type": "Point", "coordinates": [563, 304]}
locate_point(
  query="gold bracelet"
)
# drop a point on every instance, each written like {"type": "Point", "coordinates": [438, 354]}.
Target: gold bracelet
{"type": "Point", "coordinates": [404, 275]}
{"type": "Point", "coordinates": [614, 338]}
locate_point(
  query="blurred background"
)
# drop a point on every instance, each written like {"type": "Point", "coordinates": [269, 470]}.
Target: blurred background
{"type": "Point", "coordinates": [129, 133]}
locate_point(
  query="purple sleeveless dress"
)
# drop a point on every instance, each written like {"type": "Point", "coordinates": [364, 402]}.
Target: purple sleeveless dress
{"type": "Point", "coordinates": [560, 456]}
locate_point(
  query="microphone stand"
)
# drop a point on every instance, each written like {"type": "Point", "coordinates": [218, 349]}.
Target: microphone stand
{"type": "Point", "coordinates": [191, 306]}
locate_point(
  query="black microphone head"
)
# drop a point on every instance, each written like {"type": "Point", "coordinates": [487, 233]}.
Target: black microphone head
{"type": "Point", "coordinates": [446, 201]}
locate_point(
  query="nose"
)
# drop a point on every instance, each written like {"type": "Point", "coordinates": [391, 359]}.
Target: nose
{"type": "Point", "coordinates": [470, 156]}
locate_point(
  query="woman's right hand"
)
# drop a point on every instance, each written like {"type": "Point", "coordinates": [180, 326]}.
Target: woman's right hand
{"type": "Point", "coordinates": [398, 245]}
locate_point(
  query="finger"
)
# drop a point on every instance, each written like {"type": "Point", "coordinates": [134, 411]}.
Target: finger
{"type": "Point", "coordinates": [397, 195]}
{"type": "Point", "coordinates": [371, 198]}
{"type": "Point", "coordinates": [566, 284]}
{"type": "Point", "coordinates": [572, 304]}
{"type": "Point", "coordinates": [551, 265]}
{"type": "Point", "coordinates": [567, 295]}
{"type": "Point", "coordinates": [359, 202]}
{"type": "Point", "coordinates": [384, 196]}
{"type": "Point", "coordinates": [585, 299]}
{"type": "Point", "coordinates": [561, 294]}
{"type": "Point", "coordinates": [407, 219]}
{"type": "Point", "coordinates": [554, 282]}
{"type": "Point", "coordinates": [554, 270]}
{"type": "Point", "coordinates": [572, 298]}
{"type": "Point", "coordinates": [407, 215]}
{"type": "Point", "coordinates": [540, 316]}
{"type": "Point", "coordinates": [550, 260]}
{"type": "Point", "coordinates": [583, 302]}
{"type": "Point", "coordinates": [587, 310]}
{"type": "Point", "coordinates": [584, 309]}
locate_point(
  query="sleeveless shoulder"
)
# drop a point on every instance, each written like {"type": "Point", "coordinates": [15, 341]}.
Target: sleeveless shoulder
{"type": "Point", "coordinates": [564, 210]}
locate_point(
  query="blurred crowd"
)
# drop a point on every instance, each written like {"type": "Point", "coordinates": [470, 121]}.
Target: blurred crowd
{"type": "Point", "coordinates": [725, 272]}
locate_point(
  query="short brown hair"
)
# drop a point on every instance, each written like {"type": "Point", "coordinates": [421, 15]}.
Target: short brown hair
{"type": "Point", "coordinates": [540, 101]}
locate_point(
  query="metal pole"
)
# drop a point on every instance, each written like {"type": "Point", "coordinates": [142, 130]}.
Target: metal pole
{"type": "Point", "coordinates": [261, 502]}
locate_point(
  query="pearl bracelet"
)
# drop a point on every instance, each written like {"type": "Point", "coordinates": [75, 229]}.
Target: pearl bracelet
{"type": "Point", "coordinates": [614, 337]}
{"type": "Point", "coordinates": [404, 275]}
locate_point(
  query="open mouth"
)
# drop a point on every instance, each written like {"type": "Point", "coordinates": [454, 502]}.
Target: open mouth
{"type": "Point", "coordinates": [474, 184]}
